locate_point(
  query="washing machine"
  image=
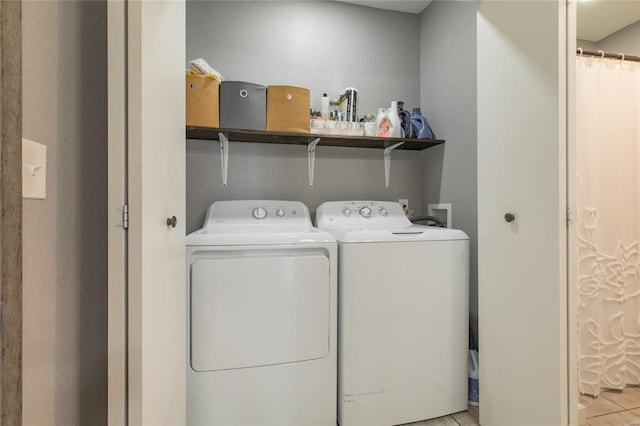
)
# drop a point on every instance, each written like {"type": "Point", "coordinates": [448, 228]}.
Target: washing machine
{"type": "Point", "coordinates": [262, 315]}
{"type": "Point", "coordinates": [402, 314]}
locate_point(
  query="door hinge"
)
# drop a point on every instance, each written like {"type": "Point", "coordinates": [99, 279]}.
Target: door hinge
{"type": "Point", "coordinates": [569, 218]}
{"type": "Point", "coordinates": [124, 221]}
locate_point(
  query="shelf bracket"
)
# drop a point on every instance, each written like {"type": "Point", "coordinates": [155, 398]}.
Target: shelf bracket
{"type": "Point", "coordinates": [311, 154]}
{"type": "Point", "coordinates": [224, 156]}
{"type": "Point", "coordinates": [387, 162]}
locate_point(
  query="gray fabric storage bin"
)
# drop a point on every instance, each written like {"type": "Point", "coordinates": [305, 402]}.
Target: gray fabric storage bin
{"type": "Point", "coordinates": [243, 105]}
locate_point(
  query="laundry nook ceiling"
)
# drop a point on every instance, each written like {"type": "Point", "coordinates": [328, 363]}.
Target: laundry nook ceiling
{"type": "Point", "coordinates": [416, 6]}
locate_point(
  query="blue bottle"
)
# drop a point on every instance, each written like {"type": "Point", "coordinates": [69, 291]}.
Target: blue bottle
{"type": "Point", "coordinates": [420, 125]}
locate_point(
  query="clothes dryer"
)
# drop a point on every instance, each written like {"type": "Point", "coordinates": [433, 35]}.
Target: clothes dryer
{"type": "Point", "coordinates": [261, 317]}
{"type": "Point", "coordinates": [402, 314]}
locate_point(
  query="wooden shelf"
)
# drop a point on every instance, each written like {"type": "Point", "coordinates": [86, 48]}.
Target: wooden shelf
{"type": "Point", "coordinates": [237, 135]}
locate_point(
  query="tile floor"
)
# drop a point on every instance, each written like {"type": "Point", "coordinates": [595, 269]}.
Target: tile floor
{"type": "Point", "coordinates": [463, 418]}
{"type": "Point", "coordinates": [613, 408]}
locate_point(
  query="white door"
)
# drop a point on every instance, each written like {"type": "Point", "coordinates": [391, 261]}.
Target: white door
{"type": "Point", "coordinates": [522, 291]}
{"type": "Point", "coordinates": [147, 311]}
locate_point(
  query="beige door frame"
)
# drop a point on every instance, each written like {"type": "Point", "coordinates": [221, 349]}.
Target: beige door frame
{"type": "Point", "coordinates": [11, 212]}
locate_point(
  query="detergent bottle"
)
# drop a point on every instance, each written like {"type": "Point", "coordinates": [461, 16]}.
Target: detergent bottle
{"type": "Point", "coordinates": [382, 128]}
{"type": "Point", "coordinates": [474, 384]}
{"type": "Point", "coordinates": [420, 125]}
{"type": "Point", "coordinates": [388, 122]}
{"type": "Point", "coordinates": [405, 120]}
{"type": "Point", "coordinates": [395, 130]}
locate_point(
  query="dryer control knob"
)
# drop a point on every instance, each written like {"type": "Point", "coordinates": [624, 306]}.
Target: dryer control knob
{"type": "Point", "coordinates": [365, 212]}
{"type": "Point", "coordinates": [346, 212]}
{"type": "Point", "coordinates": [279, 212]}
{"type": "Point", "coordinates": [259, 213]}
{"type": "Point", "coordinates": [383, 211]}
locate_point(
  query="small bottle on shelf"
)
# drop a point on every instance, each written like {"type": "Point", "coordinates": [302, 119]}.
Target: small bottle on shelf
{"type": "Point", "coordinates": [325, 107]}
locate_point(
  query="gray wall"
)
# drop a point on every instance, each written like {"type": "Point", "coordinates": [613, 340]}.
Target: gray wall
{"type": "Point", "coordinates": [626, 41]}
{"type": "Point", "coordinates": [587, 45]}
{"type": "Point", "coordinates": [324, 46]}
{"type": "Point", "coordinates": [65, 239]}
{"type": "Point", "coordinates": [448, 91]}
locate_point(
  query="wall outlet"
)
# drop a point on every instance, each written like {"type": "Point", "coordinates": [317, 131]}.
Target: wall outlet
{"type": "Point", "coordinates": [404, 202]}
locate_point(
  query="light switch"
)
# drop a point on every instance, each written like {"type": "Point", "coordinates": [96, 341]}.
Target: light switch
{"type": "Point", "coordinates": [34, 170]}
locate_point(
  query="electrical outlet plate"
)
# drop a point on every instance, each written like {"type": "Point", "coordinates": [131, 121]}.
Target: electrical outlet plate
{"type": "Point", "coordinates": [442, 211]}
{"type": "Point", "coordinates": [404, 202]}
{"type": "Point", "coordinates": [34, 170]}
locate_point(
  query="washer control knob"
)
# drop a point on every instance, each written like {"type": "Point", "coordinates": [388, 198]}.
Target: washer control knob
{"type": "Point", "coordinates": [383, 211]}
{"type": "Point", "coordinates": [279, 212]}
{"type": "Point", "coordinates": [365, 212]}
{"type": "Point", "coordinates": [346, 212]}
{"type": "Point", "coordinates": [259, 213]}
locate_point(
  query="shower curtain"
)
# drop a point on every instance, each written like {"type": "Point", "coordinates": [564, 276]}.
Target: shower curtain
{"type": "Point", "coordinates": [608, 223]}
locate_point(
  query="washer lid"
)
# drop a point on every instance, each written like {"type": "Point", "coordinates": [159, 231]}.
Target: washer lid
{"type": "Point", "coordinates": [395, 234]}
{"type": "Point", "coordinates": [247, 222]}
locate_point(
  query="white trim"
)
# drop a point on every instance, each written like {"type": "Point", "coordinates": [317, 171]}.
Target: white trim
{"type": "Point", "coordinates": [572, 247]}
{"type": "Point", "coordinates": [117, 335]}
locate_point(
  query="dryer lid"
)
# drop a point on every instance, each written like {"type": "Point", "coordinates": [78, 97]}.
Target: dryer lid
{"type": "Point", "coordinates": [284, 236]}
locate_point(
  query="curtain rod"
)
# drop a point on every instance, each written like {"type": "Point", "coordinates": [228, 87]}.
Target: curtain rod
{"type": "Point", "coordinates": [602, 54]}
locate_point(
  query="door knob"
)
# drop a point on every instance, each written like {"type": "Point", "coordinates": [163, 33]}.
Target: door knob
{"type": "Point", "coordinates": [508, 217]}
{"type": "Point", "coordinates": [172, 221]}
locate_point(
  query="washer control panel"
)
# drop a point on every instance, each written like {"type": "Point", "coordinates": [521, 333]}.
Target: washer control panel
{"type": "Point", "coordinates": [271, 212]}
{"type": "Point", "coordinates": [361, 213]}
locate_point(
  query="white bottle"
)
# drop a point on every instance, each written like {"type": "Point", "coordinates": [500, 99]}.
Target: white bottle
{"type": "Point", "coordinates": [324, 110]}
{"type": "Point", "coordinates": [380, 118]}
{"type": "Point", "coordinates": [395, 130]}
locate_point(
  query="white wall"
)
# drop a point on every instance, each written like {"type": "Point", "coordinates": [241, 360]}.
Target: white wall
{"type": "Point", "coordinates": [324, 46]}
{"type": "Point", "coordinates": [64, 236]}
{"type": "Point", "coordinates": [448, 91]}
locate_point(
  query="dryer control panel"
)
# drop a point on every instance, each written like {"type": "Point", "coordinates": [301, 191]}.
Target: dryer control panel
{"type": "Point", "coordinates": [251, 212]}
{"type": "Point", "coordinates": [361, 213]}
